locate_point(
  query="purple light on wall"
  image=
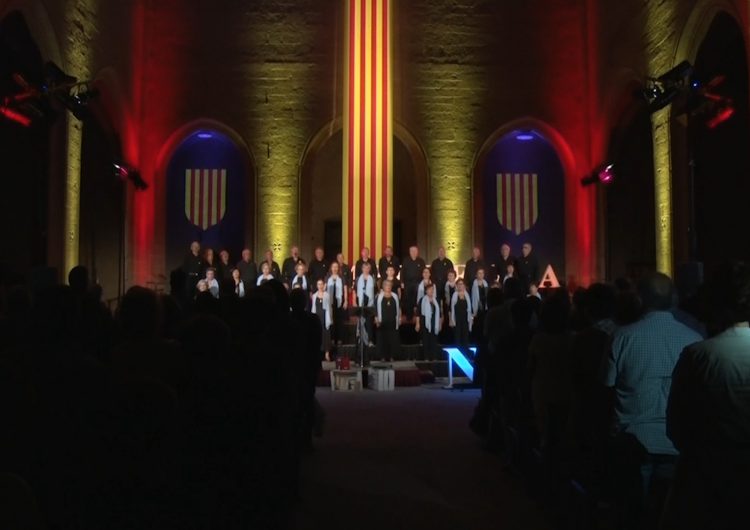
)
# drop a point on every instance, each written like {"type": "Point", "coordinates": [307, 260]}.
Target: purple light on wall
{"type": "Point", "coordinates": [524, 137]}
{"type": "Point", "coordinates": [205, 135]}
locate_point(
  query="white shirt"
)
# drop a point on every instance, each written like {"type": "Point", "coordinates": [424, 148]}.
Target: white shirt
{"type": "Point", "coordinates": [326, 307]}
{"type": "Point", "coordinates": [213, 287]}
{"type": "Point", "coordinates": [426, 310]}
{"type": "Point", "coordinates": [366, 286]}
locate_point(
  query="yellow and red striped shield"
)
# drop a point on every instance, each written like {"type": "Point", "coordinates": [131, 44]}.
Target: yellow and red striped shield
{"type": "Point", "coordinates": [517, 201]}
{"type": "Point", "coordinates": [205, 196]}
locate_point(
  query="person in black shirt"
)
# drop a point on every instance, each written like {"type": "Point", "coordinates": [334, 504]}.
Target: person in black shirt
{"type": "Point", "coordinates": [338, 292]}
{"type": "Point", "coordinates": [472, 266]}
{"type": "Point", "coordinates": [273, 267]}
{"type": "Point", "coordinates": [411, 275]}
{"type": "Point", "coordinates": [365, 258]}
{"type": "Point", "coordinates": [223, 268]}
{"type": "Point", "coordinates": [527, 266]}
{"type": "Point", "coordinates": [430, 324]}
{"type": "Point", "coordinates": [461, 316]}
{"type": "Point", "coordinates": [388, 260]}
{"type": "Point", "coordinates": [300, 280]}
{"type": "Point", "coordinates": [345, 270]}
{"type": "Point", "coordinates": [192, 266]}
{"type": "Point", "coordinates": [247, 268]}
{"type": "Point", "coordinates": [439, 268]}
{"type": "Point", "coordinates": [289, 267]}
{"type": "Point", "coordinates": [209, 260]}
{"type": "Point", "coordinates": [224, 273]}
{"type": "Point", "coordinates": [388, 316]}
{"type": "Point", "coordinates": [318, 268]}
{"type": "Point", "coordinates": [390, 274]}
{"type": "Point", "coordinates": [501, 264]}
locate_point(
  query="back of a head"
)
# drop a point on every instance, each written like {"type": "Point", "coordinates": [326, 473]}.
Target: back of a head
{"type": "Point", "coordinates": [731, 294]}
{"type": "Point", "coordinates": [78, 279]}
{"type": "Point", "coordinates": [280, 295]}
{"type": "Point", "coordinates": [494, 297]}
{"type": "Point", "coordinates": [554, 315]}
{"type": "Point", "coordinates": [656, 292]}
{"type": "Point", "coordinates": [204, 335]}
{"type": "Point", "coordinates": [297, 300]}
{"type": "Point", "coordinates": [54, 313]}
{"type": "Point", "coordinates": [600, 301]}
{"type": "Point", "coordinates": [623, 285]}
{"type": "Point", "coordinates": [138, 313]}
{"type": "Point", "coordinates": [521, 312]}
{"type": "Point", "coordinates": [19, 301]}
{"type": "Point", "coordinates": [512, 289]}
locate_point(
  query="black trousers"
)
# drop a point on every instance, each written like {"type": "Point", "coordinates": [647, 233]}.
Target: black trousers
{"type": "Point", "coordinates": [430, 345]}
{"type": "Point", "coordinates": [410, 299]}
{"type": "Point", "coordinates": [461, 334]}
{"type": "Point", "coordinates": [368, 314]}
{"type": "Point", "coordinates": [389, 342]}
{"type": "Point", "coordinates": [339, 322]}
{"type": "Point", "coordinates": [191, 282]}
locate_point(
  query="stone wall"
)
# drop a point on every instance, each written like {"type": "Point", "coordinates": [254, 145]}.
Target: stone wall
{"type": "Point", "coordinates": [271, 71]}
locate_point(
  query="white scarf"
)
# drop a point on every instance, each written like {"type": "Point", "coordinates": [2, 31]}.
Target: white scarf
{"type": "Point", "coordinates": [379, 307]}
{"type": "Point", "coordinates": [426, 310]}
{"type": "Point", "coordinates": [326, 308]}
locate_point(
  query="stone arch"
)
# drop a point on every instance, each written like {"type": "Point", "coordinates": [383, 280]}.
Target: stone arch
{"type": "Point", "coordinates": [718, 154]}
{"type": "Point", "coordinates": [421, 171]}
{"type": "Point", "coordinates": [570, 180]}
{"type": "Point", "coordinates": [171, 147]}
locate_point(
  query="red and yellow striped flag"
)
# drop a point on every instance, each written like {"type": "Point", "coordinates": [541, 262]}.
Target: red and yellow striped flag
{"type": "Point", "coordinates": [368, 129]}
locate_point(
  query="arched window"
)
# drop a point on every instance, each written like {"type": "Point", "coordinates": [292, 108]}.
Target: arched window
{"type": "Point", "coordinates": [519, 197]}
{"type": "Point", "coordinates": [209, 195]}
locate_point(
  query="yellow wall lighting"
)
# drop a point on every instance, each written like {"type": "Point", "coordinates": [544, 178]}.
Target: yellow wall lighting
{"type": "Point", "coordinates": [274, 128]}
{"type": "Point", "coordinates": [661, 41]}
{"type": "Point", "coordinates": [449, 114]}
{"type": "Point", "coordinates": [80, 26]}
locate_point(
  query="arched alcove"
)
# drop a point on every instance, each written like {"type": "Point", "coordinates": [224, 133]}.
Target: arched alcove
{"type": "Point", "coordinates": [210, 198]}
{"type": "Point", "coordinates": [630, 243]}
{"type": "Point", "coordinates": [320, 192]}
{"type": "Point", "coordinates": [721, 182]}
{"type": "Point", "coordinates": [519, 193]}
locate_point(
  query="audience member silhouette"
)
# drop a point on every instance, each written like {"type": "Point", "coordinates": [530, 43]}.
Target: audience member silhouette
{"type": "Point", "coordinates": [708, 416]}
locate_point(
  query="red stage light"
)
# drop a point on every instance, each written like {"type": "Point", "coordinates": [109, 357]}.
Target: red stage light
{"type": "Point", "coordinates": [15, 116]}
{"type": "Point", "coordinates": [720, 117]}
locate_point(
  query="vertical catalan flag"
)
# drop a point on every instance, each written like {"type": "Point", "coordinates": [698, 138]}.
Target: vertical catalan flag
{"type": "Point", "coordinates": [367, 218]}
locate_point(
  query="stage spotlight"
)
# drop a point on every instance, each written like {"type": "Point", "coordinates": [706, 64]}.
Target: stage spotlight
{"type": "Point", "coordinates": [661, 91]}
{"type": "Point", "coordinates": [677, 75]}
{"type": "Point", "coordinates": [607, 174]}
{"type": "Point", "coordinates": [54, 77]}
{"type": "Point", "coordinates": [525, 136]}
{"type": "Point", "coordinates": [604, 174]}
{"type": "Point", "coordinates": [126, 173]}
{"type": "Point", "coordinates": [723, 114]}
{"type": "Point", "coordinates": [658, 95]}
{"type": "Point", "coordinates": [77, 99]}
{"type": "Point", "coordinates": [15, 116]}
